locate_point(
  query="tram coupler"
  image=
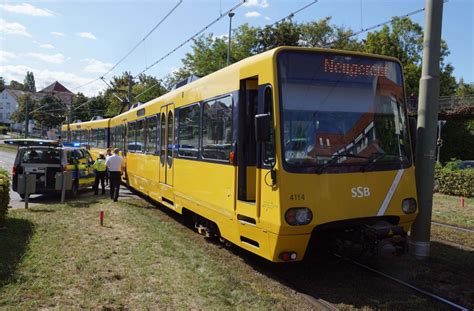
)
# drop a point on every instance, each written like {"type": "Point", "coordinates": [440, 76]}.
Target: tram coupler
{"type": "Point", "coordinates": [386, 239]}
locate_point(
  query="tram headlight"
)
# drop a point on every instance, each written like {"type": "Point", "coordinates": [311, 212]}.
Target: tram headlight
{"type": "Point", "coordinates": [298, 216]}
{"type": "Point", "coordinates": [409, 206]}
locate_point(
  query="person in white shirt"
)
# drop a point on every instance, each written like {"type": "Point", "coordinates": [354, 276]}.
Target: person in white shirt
{"type": "Point", "coordinates": [114, 165]}
{"type": "Point", "coordinates": [108, 155]}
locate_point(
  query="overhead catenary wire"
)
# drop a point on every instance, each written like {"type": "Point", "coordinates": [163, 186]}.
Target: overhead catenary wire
{"type": "Point", "coordinates": [144, 38]}
{"type": "Point", "coordinates": [222, 15]}
{"type": "Point", "coordinates": [292, 14]}
{"type": "Point", "coordinates": [132, 50]}
{"type": "Point", "coordinates": [382, 24]}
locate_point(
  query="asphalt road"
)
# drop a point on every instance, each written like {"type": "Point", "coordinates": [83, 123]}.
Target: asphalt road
{"type": "Point", "coordinates": [6, 161]}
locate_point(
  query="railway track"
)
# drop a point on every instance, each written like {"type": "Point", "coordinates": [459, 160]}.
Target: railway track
{"type": "Point", "coordinates": [426, 293]}
{"type": "Point", "coordinates": [452, 227]}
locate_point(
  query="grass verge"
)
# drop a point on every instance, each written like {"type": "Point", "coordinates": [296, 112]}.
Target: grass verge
{"type": "Point", "coordinates": [61, 257]}
{"type": "Point", "coordinates": [447, 209]}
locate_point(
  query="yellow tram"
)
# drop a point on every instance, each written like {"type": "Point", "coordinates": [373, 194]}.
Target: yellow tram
{"type": "Point", "coordinates": [278, 148]}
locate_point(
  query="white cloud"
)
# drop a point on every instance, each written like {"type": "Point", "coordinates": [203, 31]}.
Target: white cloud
{"type": "Point", "coordinates": [267, 18]}
{"type": "Point", "coordinates": [43, 78]}
{"type": "Point", "coordinates": [257, 3]}
{"type": "Point", "coordinates": [252, 14]}
{"type": "Point", "coordinates": [86, 35]}
{"type": "Point", "coordinates": [57, 34]}
{"type": "Point", "coordinates": [48, 58]}
{"type": "Point", "coordinates": [94, 65]}
{"type": "Point", "coordinates": [13, 28]}
{"type": "Point", "coordinates": [6, 56]}
{"type": "Point", "coordinates": [26, 9]}
{"type": "Point", "coordinates": [47, 46]}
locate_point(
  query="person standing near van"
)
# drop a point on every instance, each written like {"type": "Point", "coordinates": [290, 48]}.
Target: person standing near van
{"type": "Point", "coordinates": [100, 168]}
{"type": "Point", "coordinates": [108, 155]}
{"type": "Point", "coordinates": [114, 165]}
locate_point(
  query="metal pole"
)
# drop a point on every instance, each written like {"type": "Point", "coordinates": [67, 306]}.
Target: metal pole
{"type": "Point", "coordinates": [27, 192]}
{"type": "Point", "coordinates": [63, 176]}
{"type": "Point", "coordinates": [26, 118]}
{"type": "Point", "coordinates": [426, 128]}
{"type": "Point", "coordinates": [129, 95]}
{"type": "Point", "coordinates": [231, 14]}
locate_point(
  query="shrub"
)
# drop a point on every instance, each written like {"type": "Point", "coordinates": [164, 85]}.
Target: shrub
{"type": "Point", "coordinates": [4, 195]}
{"type": "Point", "coordinates": [455, 182]}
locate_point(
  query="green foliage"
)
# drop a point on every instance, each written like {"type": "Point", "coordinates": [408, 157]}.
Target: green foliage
{"type": "Point", "coordinates": [15, 85]}
{"type": "Point", "coordinates": [2, 84]}
{"type": "Point", "coordinates": [455, 182]}
{"type": "Point", "coordinates": [4, 195]}
{"type": "Point", "coordinates": [453, 165]}
{"type": "Point", "coordinates": [23, 101]}
{"type": "Point", "coordinates": [458, 139]}
{"type": "Point", "coordinates": [464, 89]}
{"type": "Point", "coordinates": [50, 113]}
{"type": "Point", "coordinates": [29, 82]}
{"type": "Point", "coordinates": [80, 110]}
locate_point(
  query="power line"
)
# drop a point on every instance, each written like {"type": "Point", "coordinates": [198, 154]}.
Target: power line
{"type": "Point", "coordinates": [191, 38]}
{"type": "Point", "coordinates": [133, 49]}
{"type": "Point", "coordinates": [292, 14]}
{"type": "Point", "coordinates": [382, 24]}
{"type": "Point", "coordinates": [144, 38]}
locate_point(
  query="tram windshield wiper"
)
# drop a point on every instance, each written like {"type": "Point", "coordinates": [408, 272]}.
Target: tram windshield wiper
{"type": "Point", "coordinates": [376, 156]}
{"type": "Point", "coordinates": [336, 157]}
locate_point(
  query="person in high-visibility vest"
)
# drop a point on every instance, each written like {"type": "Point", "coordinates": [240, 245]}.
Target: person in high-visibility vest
{"type": "Point", "coordinates": [100, 171]}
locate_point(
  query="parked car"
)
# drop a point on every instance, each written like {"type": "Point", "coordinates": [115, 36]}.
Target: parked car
{"type": "Point", "coordinates": [46, 160]}
{"type": "Point", "coordinates": [467, 164]}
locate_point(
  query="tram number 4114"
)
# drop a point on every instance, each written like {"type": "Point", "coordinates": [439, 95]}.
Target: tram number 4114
{"type": "Point", "coordinates": [297, 197]}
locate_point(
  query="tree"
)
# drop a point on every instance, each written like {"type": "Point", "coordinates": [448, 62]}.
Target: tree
{"type": "Point", "coordinates": [2, 84]}
{"type": "Point", "coordinates": [19, 114]}
{"type": "Point", "coordinates": [15, 85]}
{"type": "Point", "coordinates": [464, 89]}
{"type": "Point", "coordinates": [285, 33]}
{"type": "Point", "coordinates": [324, 35]}
{"type": "Point", "coordinates": [29, 82]}
{"type": "Point", "coordinates": [403, 39]}
{"type": "Point", "coordinates": [50, 112]}
{"type": "Point", "coordinates": [80, 110]}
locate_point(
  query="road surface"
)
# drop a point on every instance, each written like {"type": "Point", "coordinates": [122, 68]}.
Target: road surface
{"type": "Point", "coordinates": [7, 158]}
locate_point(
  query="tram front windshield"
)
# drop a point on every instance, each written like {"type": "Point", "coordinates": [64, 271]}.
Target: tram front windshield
{"type": "Point", "coordinates": [342, 113]}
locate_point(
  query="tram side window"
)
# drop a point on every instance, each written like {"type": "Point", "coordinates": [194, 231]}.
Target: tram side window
{"type": "Point", "coordinates": [112, 138]}
{"type": "Point", "coordinates": [188, 133]}
{"type": "Point", "coordinates": [131, 143]}
{"type": "Point", "coordinates": [162, 138]}
{"type": "Point", "coordinates": [140, 142]}
{"type": "Point", "coordinates": [151, 135]}
{"type": "Point", "coordinates": [217, 129]}
{"type": "Point", "coordinates": [100, 138]}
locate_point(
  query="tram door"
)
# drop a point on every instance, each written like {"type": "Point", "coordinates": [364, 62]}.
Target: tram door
{"type": "Point", "coordinates": [247, 189]}
{"type": "Point", "coordinates": [166, 144]}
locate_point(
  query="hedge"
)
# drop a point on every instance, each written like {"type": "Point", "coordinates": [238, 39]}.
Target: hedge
{"type": "Point", "coordinates": [4, 196]}
{"type": "Point", "coordinates": [455, 182]}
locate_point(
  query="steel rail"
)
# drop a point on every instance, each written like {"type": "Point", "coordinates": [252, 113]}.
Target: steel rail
{"type": "Point", "coordinates": [417, 289]}
{"type": "Point", "coordinates": [452, 227]}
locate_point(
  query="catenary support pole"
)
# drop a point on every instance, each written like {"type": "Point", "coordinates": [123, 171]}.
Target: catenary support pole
{"type": "Point", "coordinates": [426, 128]}
{"type": "Point", "coordinates": [27, 117]}
{"type": "Point", "coordinates": [231, 14]}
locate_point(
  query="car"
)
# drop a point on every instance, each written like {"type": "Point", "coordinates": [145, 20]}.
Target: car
{"type": "Point", "coordinates": [47, 161]}
{"type": "Point", "coordinates": [467, 164]}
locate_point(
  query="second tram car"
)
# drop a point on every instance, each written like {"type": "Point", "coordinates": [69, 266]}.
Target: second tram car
{"type": "Point", "coordinates": [276, 149]}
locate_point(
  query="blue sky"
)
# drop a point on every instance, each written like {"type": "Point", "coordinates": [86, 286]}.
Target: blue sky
{"type": "Point", "coordinates": [76, 41]}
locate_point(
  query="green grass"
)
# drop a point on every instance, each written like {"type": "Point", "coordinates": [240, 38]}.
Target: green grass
{"type": "Point", "coordinates": [8, 148]}
{"type": "Point", "coordinates": [59, 256]}
{"type": "Point", "coordinates": [447, 209]}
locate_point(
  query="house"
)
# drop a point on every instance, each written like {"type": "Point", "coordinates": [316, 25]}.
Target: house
{"type": "Point", "coordinates": [9, 101]}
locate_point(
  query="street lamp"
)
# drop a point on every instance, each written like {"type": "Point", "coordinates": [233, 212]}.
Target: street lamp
{"type": "Point", "coordinates": [231, 14]}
